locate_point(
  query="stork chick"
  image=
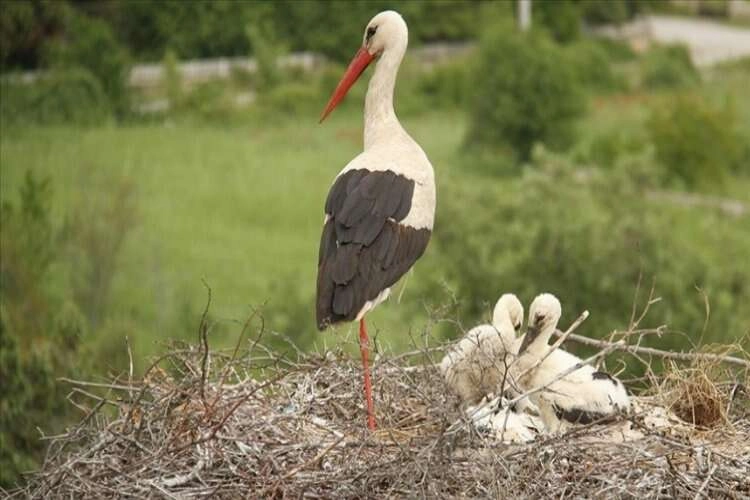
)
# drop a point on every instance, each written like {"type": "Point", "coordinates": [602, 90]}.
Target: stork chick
{"type": "Point", "coordinates": [476, 366]}
{"type": "Point", "coordinates": [581, 397]}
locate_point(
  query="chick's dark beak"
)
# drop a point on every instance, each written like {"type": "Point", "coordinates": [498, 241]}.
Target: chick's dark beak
{"type": "Point", "coordinates": [531, 334]}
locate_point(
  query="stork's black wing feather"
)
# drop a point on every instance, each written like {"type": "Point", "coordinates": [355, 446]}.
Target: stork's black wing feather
{"type": "Point", "coordinates": [364, 249]}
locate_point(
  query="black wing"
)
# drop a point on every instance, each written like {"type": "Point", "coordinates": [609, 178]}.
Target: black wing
{"type": "Point", "coordinates": [364, 249]}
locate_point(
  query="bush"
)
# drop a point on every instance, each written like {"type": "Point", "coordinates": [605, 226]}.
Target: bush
{"type": "Point", "coordinates": [446, 85]}
{"type": "Point", "coordinates": [607, 147]}
{"type": "Point", "coordinates": [668, 67]}
{"type": "Point", "coordinates": [292, 99]}
{"type": "Point", "coordinates": [617, 51]}
{"type": "Point", "coordinates": [267, 50]}
{"type": "Point", "coordinates": [172, 79]}
{"type": "Point", "coordinates": [695, 142]}
{"type": "Point", "coordinates": [54, 286]}
{"type": "Point", "coordinates": [562, 18]}
{"type": "Point", "coordinates": [62, 97]}
{"type": "Point", "coordinates": [592, 66]}
{"type": "Point", "coordinates": [90, 43]}
{"type": "Point", "coordinates": [523, 94]}
{"type": "Point", "coordinates": [587, 238]}
{"type": "Point", "coordinates": [29, 247]}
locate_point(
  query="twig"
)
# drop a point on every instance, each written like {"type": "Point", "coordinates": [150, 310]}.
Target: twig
{"type": "Point", "coordinates": [203, 337]}
{"type": "Point", "coordinates": [317, 458]}
{"type": "Point", "coordinates": [182, 479]}
{"type": "Point", "coordinates": [681, 356]}
{"type": "Point", "coordinates": [705, 482]}
{"type": "Point", "coordinates": [130, 367]}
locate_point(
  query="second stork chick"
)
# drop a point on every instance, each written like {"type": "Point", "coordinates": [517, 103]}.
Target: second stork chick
{"type": "Point", "coordinates": [583, 396]}
{"type": "Point", "coordinates": [476, 366]}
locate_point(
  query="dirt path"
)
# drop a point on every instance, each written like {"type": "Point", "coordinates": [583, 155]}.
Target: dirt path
{"type": "Point", "coordinates": [709, 42]}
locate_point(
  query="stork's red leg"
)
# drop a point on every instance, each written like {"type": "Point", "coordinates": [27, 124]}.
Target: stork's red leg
{"type": "Point", "coordinates": [364, 346]}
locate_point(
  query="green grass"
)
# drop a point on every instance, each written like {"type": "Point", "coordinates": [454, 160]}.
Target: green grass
{"type": "Point", "coordinates": [240, 208]}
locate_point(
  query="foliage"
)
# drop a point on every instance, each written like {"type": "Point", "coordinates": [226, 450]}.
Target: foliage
{"type": "Point", "coordinates": [27, 367]}
{"type": "Point", "coordinates": [522, 94]}
{"type": "Point", "coordinates": [696, 142]}
{"type": "Point", "coordinates": [587, 236]}
{"type": "Point", "coordinates": [292, 99]}
{"type": "Point", "coordinates": [62, 97]}
{"type": "Point", "coordinates": [447, 85]}
{"type": "Point", "coordinates": [172, 78]}
{"type": "Point", "coordinates": [267, 51]}
{"type": "Point", "coordinates": [561, 18]}
{"type": "Point", "coordinates": [617, 51]}
{"type": "Point", "coordinates": [90, 44]}
{"type": "Point", "coordinates": [25, 28]}
{"type": "Point", "coordinates": [610, 12]}
{"type": "Point", "coordinates": [54, 286]}
{"type": "Point", "coordinates": [592, 66]}
{"type": "Point", "coordinates": [607, 147]}
{"type": "Point", "coordinates": [668, 66]}
{"type": "Point", "coordinates": [202, 29]}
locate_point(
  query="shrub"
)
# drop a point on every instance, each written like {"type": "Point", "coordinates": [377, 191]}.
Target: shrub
{"type": "Point", "coordinates": [522, 94]}
{"type": "Point", "coordinates": [607, 147]}
{"type": "Point", "coordinates": [592, 66]}
{"type": "Point", "coordinates": [45, 334]}
{"type": "Point", "coordinates": [34, 349]}
{"type": "Point", "coordinates": [695, 142]}
{"type": "Point", "coordinates": [609, 12]}
{"type": "Point", "coordinates": [62, 97]}
{"type": "Point", "coordinates": [617, 51]}
{"type": "Point", "coordinates": [292, 99]}
{"type": "Point", "coordinates": [668, 67]}
{"type": "Point", "coordinates": [446, 85]}
{"type": "Point", "coordinates": [89, 43]}
{"type": "Point", "coordinates": [266, 50]}
{"type": "Point", "coordinates": [561, 18]}
{"type": "Point", "coordinates": [172, 79]}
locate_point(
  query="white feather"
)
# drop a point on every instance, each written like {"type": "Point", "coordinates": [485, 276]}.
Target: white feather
{"type": "Point", "coordinates": [578, 390]}
{"type": "Point", "coordinates": [505, 425]}
{"type": "Point", "coordinates": [476, 365]}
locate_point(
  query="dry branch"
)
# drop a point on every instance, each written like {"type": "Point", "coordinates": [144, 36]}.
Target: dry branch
{"type": "Point", "coordinates": [635, 349]}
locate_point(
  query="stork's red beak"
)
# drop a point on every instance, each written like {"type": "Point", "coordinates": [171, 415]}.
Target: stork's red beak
{"type": "Point", "coordinates": [361, 60]}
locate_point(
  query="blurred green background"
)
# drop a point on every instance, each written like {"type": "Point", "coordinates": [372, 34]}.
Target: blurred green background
{"type": "Point", "coordinates": [566, 161]}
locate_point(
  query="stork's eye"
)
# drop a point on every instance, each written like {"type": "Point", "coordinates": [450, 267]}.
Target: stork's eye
{"type": "Point", "coordinates": [371, 32]}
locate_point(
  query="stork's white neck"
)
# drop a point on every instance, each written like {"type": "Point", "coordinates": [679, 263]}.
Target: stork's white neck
{"type": "Point", "coordinates": [540, 345]}
{"type": "Point", "coordinates": [380, 118]}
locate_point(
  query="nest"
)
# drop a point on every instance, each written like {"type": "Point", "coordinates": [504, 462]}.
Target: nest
{"type": "Point", "coordinates": [254, 424]}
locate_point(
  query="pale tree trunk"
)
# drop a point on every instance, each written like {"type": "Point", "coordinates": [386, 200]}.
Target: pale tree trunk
{"type": "Point", "coordinates": [524, 14]}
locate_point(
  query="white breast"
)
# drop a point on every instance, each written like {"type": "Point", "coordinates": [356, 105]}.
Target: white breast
{"type": "Point", "coordinates": [577, 390]}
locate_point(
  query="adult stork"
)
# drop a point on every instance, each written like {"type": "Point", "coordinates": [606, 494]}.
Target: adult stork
{"type": "Point", "coordinates": [380, 209]}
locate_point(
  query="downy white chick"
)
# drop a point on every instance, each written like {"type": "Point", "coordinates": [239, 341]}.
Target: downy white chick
{"type": "Point", "coordinates": [584, 395]}
{"type": "Point", "coordinates": [476, 366]}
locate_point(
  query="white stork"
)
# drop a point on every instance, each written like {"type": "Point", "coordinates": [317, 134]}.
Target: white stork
{"type": "Point", "coordinates": [381, 207]}
{"type": "Point", "coordinates": [476, 366]}
{"type": "Point", "coordinates": [583, 396]}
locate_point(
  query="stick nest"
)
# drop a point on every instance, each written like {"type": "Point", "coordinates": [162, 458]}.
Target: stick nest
{"type": "Point", "coordinates": [256, 425]}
